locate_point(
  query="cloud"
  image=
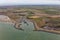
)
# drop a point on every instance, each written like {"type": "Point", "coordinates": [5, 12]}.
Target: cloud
{"type": "Point", "coordinates": [22, 2]}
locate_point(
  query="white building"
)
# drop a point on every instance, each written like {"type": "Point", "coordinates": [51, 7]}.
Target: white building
{"type": "Point", "coordinates": [4, 18]}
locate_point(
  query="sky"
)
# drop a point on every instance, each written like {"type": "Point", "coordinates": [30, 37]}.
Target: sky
{"type": "Point", "coordinates": [29, 2]}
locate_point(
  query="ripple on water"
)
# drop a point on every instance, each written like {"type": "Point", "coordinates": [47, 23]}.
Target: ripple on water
{"type": "Point", "coordinates": [8, 32]}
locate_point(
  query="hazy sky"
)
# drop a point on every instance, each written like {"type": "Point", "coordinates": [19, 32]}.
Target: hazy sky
{"type": "Point", "coordinates": [27, 2]}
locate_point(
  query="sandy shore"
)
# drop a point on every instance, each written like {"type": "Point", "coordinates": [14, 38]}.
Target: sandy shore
{"type": "Point", "coordinates": [7, 23]}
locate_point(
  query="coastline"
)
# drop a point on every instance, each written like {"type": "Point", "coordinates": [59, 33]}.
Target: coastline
{"type": "Point", "coordinates": [6, 22]}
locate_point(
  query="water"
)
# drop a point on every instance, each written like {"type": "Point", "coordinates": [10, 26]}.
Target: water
{"type": "Point", "coordinates": [8, 32]}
